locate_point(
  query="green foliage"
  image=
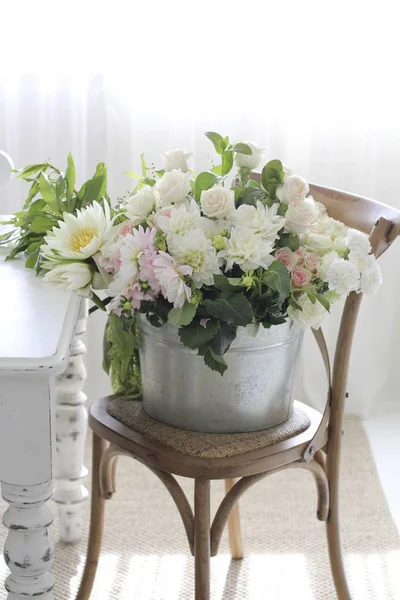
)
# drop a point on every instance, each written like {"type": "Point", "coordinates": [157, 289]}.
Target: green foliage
{"type": "Point", "coordinates": [205, 181]}
{"type": "Point", "coordinates": [196, 335]}
{"type": "Point", "coordinates": [232, 308]}
{"type": "Point", "coordinates": [121, 354]}
{"type": "Point", "coordinates": [217, 141]}
{"type": "Point", "coordinates": [183, 315]}
{"type": "Point", "coordinates": [242, 148]}
{"type": "Point", "coordinates": [277, 279]}
{"type": "Point", "coordinates": [51, 194]}
{"type": "Point", "coordinates": [272, 175]}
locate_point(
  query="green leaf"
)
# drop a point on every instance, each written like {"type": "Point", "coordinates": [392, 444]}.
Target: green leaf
{"type": "Point", "coordinates": [214, 361]}
{"type": "Point", "coordinates": [31, 169]}
{"type": "Point", "coordinates": [232, 308]}
{"type": "Point", "coordinates": [70, 176]}
{"type": "Point", "coordinates": [60, 187]}
{"type": "Point", "coordinates": [224, 338]}
{"type": "Point", "coordinates": [251, 195]}
{"type": "Point", "coordinates": [217, 170]}
{"type": "Point", "coordinates": [242, 148]}
{"type": "Point", "coordinates": [32, 260]}
{"type": "Point", "coordinates": [217, 140]}
{"type": "Point", "coordinates": [195, 335]}
{"type": "Point", "coordinates": [41, 225]}
{"type": "Point", "coordinates": [98, 302]}
{"type": "Point", "coordinates": [322, 300]}
{"type": "Point", "coordinates": [204, 181]}
{"type": "Point", "coordinates": [272, 175]}
{"type": "Point", "coordinates": [277, 279]}
{"type": "Point", "coordinates": [226, 284]}
{"type": "Point", "coordinates": [227, 162]}
{"type": "Point", "coordinates": [144, 165]}
{"type": "Point", "coordinates": [294, 304]}
{"type": "Point", "coordinates": [95, 188]}
{"type": "Point", "coordinates": [183, 315]}
{"type": "Point", "coordinates": [159, 172]}
{"type": "Point", "coordinates": [47, 191]}
{"type": "Point", "coordinates": [132, 174]}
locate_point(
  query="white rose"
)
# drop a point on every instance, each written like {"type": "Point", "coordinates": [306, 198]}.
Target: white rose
{"type": "Point", "coordinates": [140, 205]}
{"type": "Point", "coordinates": [316, 242]}
{"type": "Point", "coordinates": [301, 216]}
{"type": "Point", "coordinates": [293, 189]}
{"type": "Point", "coordinates": [177, 159]}
{"type": "Point", "coordinates": [217, 202]}
{"type": "Point", "coordinates": [371, 276]}
{"type": "Point", "coordinates": [343, 277]}
{"type": "Point", "coordinates": [249, 161]}
{"type": "Point", "coordinates": [173, 187]}
{"type": "Point", "coordinates": [311, 314]}
{"type": "Point", "coordinates": [72, 276]}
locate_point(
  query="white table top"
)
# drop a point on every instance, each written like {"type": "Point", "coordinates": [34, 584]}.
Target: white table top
{"type": "Point", "coordinates": [36, 319]}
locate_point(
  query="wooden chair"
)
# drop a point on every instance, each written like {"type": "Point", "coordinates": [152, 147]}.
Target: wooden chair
{"type": "Point", "coordinates": [309, 440]}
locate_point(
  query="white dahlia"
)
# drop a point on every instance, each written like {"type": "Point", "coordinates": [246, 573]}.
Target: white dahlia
{"type": "Point", "coordinates": [196, 251]}
{"type": "Point", "coordinates": [246, 249]}
{"type": "Point", "coordinates": [260, 219]}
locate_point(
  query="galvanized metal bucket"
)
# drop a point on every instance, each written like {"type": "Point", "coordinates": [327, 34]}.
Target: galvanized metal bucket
{"type": "Point", "coordinates": [254, 393]}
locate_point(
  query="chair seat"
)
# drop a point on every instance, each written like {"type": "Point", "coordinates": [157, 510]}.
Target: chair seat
{"type": "Point", "coordinates": [123, 422]}
{"type": "Point", "coordinates": [206, 445]}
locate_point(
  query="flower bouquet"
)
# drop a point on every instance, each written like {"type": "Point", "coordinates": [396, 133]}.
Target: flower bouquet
{"type": "Point", "coordinates": [200, 254]}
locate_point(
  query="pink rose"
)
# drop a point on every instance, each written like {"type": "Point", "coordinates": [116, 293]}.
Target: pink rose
{"type": "Point", "coordinates": [287, 257]}
{"type": "Point", "coordinates": [311, 261]}
{"type": "Point", "coordinates": [300, 277]}
{"type": "Point", "coordinates": [301, 255]}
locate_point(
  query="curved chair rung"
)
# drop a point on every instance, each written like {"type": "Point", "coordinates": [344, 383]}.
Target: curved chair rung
{"type": "Point", "coordinates": [245, 483]}
{"type": "Point", "coordinates": [107, 487]}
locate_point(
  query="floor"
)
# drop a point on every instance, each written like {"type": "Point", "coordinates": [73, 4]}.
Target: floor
{"type": "Point", "coordinates": [384, 436]}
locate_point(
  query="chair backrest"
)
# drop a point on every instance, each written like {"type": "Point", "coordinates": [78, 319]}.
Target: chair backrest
{"type": "Point", "coordinates": [382, 223]}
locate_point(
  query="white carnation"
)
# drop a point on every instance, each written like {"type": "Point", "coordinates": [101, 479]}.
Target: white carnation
{"type": "Point", "coordinates": [177, 159]}
{"type": "Point", "coordinates": [358, 241]}
{"type": "Point", "coordinates": [293, 189]}
{"type": "Point", "coordinates": [247, 250]}
{"type": "Point", "coordinates": [217, 202]}
{"type": "Point", "coordinates": [181, 219]}
{"type": "Point", "coordinates": [196, 251]}
{"type": "Point", "coordinates": [173, 187]}
{"type": "Point", "coordinates": [140, 205]}
{"type": "Point", "coordinates": [371, 276]}
{"type": "Point", "coordinates": [301, 216]}
{"type": "Point", "coordinates": [260, 219]}
{"type": "Point", "coordinates": [325, 264]}
{"type": "Point", "coordinates": [311, 314]}
{"type": "Point", "coordinates": [343, 277]}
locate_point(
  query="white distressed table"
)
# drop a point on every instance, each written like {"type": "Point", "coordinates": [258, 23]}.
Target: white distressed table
{"type": "Point", "coordinates": [43, 423]}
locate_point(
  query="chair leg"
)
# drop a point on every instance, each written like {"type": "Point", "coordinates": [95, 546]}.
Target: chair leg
{"type": "Point", "coordinates": [202, 538]}
{"type": "Point", "coordinates": [333, 535]}
{"type": "Point", "coordinates": [96, 522]}
{"type": "Point", "coordinates": [234, 528]}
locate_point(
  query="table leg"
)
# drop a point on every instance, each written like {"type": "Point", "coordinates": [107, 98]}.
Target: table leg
{"type": "Point", "coordinates": [28, 550]}
{"type": "Point", "coordinates": [71, 428]}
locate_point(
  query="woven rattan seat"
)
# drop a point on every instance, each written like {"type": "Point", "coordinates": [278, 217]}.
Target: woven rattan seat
{"type": "Point", "coordinates": [206, 445]}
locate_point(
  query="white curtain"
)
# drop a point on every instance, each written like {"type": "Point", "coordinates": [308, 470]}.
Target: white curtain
{"type": "Point", "coordinates": [313, 82]}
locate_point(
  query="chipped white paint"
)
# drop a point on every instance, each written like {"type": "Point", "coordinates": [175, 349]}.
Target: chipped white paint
{"type": "Point", "coordinates": [36, 328]}
{"type": "Point", "coordinates": [71, 427]}
{"type": "Point", "coordinates": [28, 551]}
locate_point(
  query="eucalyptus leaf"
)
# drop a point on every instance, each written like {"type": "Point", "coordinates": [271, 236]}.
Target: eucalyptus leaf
{"type": "Point", "coordinates": [242, 148]}
{"type": "Point", "coordinates": [205, 181]}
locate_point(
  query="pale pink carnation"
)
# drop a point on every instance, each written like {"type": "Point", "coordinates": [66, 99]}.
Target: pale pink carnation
{"type": "Point", "coordinates": [146, 266]}
{"type": "Point", "coordinates": [287, 257]}
{"type": "Point", "coordinates": [300, 277]}
{"type": "Point", "coordinates": [170, 278]}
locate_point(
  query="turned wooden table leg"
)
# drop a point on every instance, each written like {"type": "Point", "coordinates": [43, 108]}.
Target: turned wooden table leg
{"type": "Point", "coordinates": [71, 429]}
{"type": "Point", "coordinates": [28, 551]}
{"type": "Point", "coordinates": [234, 528]}
{"type": "Point", "coordinates": [202, 539]}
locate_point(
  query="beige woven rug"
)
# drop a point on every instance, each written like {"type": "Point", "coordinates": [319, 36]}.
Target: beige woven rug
{"type": "Point", "coordinates": [145, 554]}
